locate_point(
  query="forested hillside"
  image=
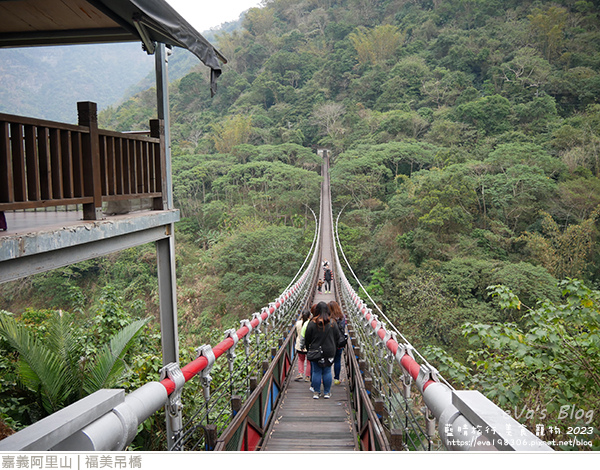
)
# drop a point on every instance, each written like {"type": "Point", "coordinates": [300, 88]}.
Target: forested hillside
{"type": "Point", "coordinates": [465, 137]}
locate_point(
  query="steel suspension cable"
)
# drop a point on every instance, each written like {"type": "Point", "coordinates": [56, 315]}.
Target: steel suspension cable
{"type": "Point", "coordinates": [413, 367]}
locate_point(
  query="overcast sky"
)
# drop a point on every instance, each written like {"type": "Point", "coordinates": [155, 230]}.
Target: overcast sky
{"type": "Point", "coordinates": [206, 14]}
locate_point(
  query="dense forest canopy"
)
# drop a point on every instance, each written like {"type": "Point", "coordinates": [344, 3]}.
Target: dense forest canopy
{"type": "Point", "coordinates": [465, 141]}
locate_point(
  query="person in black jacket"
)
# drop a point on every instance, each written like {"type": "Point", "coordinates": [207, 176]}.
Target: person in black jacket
{"type": "Point", "coordinates": [340, 319]}
{"type": "Point", "coordinates": [327, 278]}
{"type": "Point", "coordinates": [321, 339]}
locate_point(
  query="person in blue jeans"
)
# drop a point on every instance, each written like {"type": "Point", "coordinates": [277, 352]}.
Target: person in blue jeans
{"type": "Point", "coordinates": [321, 339]}
{"type": "Point", "coordinates": [340, 320]}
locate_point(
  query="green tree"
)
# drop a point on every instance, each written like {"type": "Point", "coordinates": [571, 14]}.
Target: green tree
{"type": "Point", "coordinates": [564, 253]}
{"type": "Point", "coordinates": [490, 114]}
{"type": "Point", "coordinates": [376, 45]}
{"type": "Point", "coordinates": [548, 28]}
{"type": "Point", "coordinates": [257, 264]}
{"type": "Point", "coordinates": [516, 182]}
{"type": "Point", "coordinates": [551, 364]}
{"type": "Point", "coordinates": [233, 131]}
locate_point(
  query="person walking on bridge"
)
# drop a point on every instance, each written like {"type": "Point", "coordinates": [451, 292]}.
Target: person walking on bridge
{"type": "Point", "coordinates": [340, 319]}
{"type": "Point", "coordinates": [327, 278]}
{"type": "Point", "coordinates": [321, 339]}
{"type": "Point", "coordinates": [301, 349]}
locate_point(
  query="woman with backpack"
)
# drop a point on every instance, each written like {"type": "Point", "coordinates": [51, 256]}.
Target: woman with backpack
{"type": "Point", "coordinates": [321, 339]}
{"type": "Point", "coordinates": [340, 319]}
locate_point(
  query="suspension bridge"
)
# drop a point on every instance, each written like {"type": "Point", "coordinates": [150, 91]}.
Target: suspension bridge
{"type": "Point", "coordinates": [389, 398]}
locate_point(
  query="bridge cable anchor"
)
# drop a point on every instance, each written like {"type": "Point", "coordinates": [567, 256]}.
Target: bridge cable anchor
{"type": "Point", "coordinates": [257, 331]}
{"type": "Point", "coordinates": [206, 351]}
{"type": "Point", "coordinates": [389, 356]}
{"type": "Point", "coordinates": [248, 325]}
{"type": "Point", "coordinates": [406, 377]}
{"type": "Point", "coordinates": [266, 321]}
{"type": "Point", "coordinates": [426, 373]}
{"type": "Point", "coordinates": [173, 372]}
{"type": "Point", "coordinates": [231, 351]}
{"type": "Point", "coordinates": [366, 321]}
{"type": "Point", "coordinates": [429, 422]}
{"type": "Point", "coordinates": [375, 332]}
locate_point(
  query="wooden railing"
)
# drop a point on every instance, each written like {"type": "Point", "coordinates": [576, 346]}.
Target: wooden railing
{"type": "Point", "coordinates": [45, 163]}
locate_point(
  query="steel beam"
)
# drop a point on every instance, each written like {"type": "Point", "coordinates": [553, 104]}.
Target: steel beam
{"type": "Point", "coordinates": [51, 431]}
{"type": "Point", "coordinates": [18, 268]}
{"type": "Point", "coordinates": [503, 431]}
{"type": "Point", "coordinates": [162, 102]}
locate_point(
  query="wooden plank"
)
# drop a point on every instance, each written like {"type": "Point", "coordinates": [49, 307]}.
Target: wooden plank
{"type": "Point", "coordinates": [119, 165]}
{"type": "Point", "coordinates": [126, 165]}
{"type": "Point", "coordinates": [151, 168]}
{"type": "Point", "coordinates": [18, 162]}
{"type": "Point", "coordinates": [43, 203]}
{"type": "Point", "coordinates": [132, 169]}
{"type": "Point", "coordinates": [31, 160]}
{"type": "Point", "coordinates": [139, 162]}
{"type": "Point", "coordinates": [56, 164]}
{"type": "Point", "coordinates": [88, 117]}
{"type": "Point", "coordinates": [304, 424]}
{"type": "Point", "coordinates": [142, 136]}
{"type": "Point", "coordinates": [39, 122]}
{"type": "Point", "coordinates": [44, 162]}
{"type": "Point", "coordinates": [67, 163]}
{"type": "Point", "coordinates": [146, 165]}
{"type": "Point", "coordinates": [110, 166]}
{"type": "Point", "coordinates": [6, 178]}
{"type": "Point", "coordinates": [77, 164]}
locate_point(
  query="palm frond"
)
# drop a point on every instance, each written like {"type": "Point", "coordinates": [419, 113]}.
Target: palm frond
{"type": "Point", "coordinates": [108, 366]}
{"type": "Point", "coordinates": [60, 338]}
{"type": "Point", "coordinates": [40, 369]}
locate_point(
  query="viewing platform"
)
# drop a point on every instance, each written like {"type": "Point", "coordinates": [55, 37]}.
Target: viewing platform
{"type": "Point", "coordinates": [75, 192]}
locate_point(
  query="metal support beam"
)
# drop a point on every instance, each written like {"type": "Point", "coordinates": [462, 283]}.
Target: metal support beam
{"type": "Point", "coordinates": [115, 430]}
{"type": "Point", "coordinates": [18, 268]}
{"type": "Point", "coordinates": [504, 432]}
{"type": "Point", "coordinates": [167, 291]}
{"type": "Point", "coordinates": [51, 431]}
{"type": "Point", "coordinates": [165, 249]}
{"type": "Point", "coordinates": [162, 102]}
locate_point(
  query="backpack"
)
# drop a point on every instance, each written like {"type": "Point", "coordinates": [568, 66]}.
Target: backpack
{"type": "Point", "coordinates": [343, 339]}
{"type": "Point", "coordinates": [327, 275]}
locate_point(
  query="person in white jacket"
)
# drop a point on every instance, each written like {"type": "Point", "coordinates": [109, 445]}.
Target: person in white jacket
{"type": "Point", "coordinates": [303, 369]}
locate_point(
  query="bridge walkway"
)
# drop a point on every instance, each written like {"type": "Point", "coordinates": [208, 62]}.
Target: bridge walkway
{"type": "Point", "coordinates": [302, 423]}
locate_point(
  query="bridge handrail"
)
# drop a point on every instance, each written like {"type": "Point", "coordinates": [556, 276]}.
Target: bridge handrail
{"type": "Point", "coordinates": [389, 322]}
{"type": "Point", "coordinates": [488, 427]}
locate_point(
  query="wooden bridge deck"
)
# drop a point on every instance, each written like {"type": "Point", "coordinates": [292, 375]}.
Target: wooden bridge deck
{"type": "Point", "coordinates": [303, 424]}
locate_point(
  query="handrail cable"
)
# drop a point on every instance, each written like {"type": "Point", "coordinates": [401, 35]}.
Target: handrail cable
{"type": "Point", "coordinates": [315, 238]}
{"type": "Point", "coordinates": [389, 322]}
